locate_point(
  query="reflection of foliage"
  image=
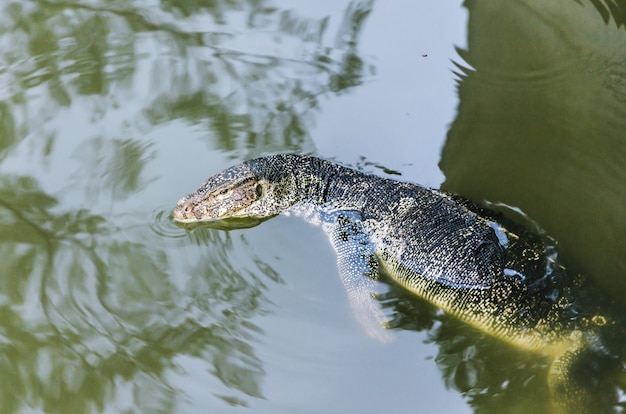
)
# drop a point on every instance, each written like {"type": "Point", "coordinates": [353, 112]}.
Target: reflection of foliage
{"type": "Point", "coordinates": [115, 164]}
{"type": "Point", "coordinates": [109, 316]}
{"type": "Point", "coordinates": [88, 313]}
{"type": "Point", "coordinates": [352, 64]}
{"type": "Point", "coordinates": [608, 9]}
{"type": "Point", "coordinates": [7, 129]}
{"type": "Point", "coordinates": [556, 86]}
{"type": "Point", "coordinates": [494, 377]}
{"type": "Point", "coordinates": [187, 8]}
{"type": "Point", "coordinates": [249, 89]}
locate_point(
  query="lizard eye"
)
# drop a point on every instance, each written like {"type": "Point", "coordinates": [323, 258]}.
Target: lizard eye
{"type": "Point", "coordinates": [224, 191]}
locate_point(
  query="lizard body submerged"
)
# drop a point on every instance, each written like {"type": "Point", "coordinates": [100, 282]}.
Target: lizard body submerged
{"type": "Point", "coordinates": [488, 272]}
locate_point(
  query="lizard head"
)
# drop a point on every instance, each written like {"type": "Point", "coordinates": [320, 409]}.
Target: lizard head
{"type": "Point", "coordinates": [251, 189]}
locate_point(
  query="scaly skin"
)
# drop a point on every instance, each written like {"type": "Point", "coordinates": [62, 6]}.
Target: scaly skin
{"type": "Point", "coordinates": [470, 262]}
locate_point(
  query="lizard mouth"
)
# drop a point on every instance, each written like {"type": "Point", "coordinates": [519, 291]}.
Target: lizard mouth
{"type": "Point", "coordinates": [228, 223]}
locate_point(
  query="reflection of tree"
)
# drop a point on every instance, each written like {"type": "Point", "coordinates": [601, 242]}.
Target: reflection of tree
{"type": "Point", "coordinates": [610, 9]}
{"type": "Point", "coordinates": [109, 318]}
{"type": "Point", "coordinates": [499, 378]}
{"type": "Point", "coordinates": [493, 377]}
{"type": "Point", "coordinates": [540, 126]}
{"type": "Point", "coordinates": [7, 129]}
{"type": "Point", "coordinates": [89, 312]}
{"type": "Point", "coordinates": [251, 91]}
{"type": "Point", "coordinates": [109, 315]}
{"type": "Point", "coordinates": [115, 165]}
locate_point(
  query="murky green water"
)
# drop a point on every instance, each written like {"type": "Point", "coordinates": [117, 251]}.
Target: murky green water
{"type": "Point", "coordinates": [110, 111]}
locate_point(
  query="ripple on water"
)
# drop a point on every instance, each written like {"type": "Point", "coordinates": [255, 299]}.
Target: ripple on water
{"type": "Point", "coordinates": [165, 226]}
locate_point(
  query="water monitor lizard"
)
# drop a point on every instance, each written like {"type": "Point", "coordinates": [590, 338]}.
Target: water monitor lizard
{"type": "Point", "coordinates": [501, 278]}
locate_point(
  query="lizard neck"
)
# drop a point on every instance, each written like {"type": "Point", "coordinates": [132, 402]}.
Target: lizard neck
{"type": "Point", "coordinates": [304, 183]}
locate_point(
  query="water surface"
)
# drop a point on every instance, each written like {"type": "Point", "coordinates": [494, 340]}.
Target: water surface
{"type": "Point", "coordinates": [110, 112]}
